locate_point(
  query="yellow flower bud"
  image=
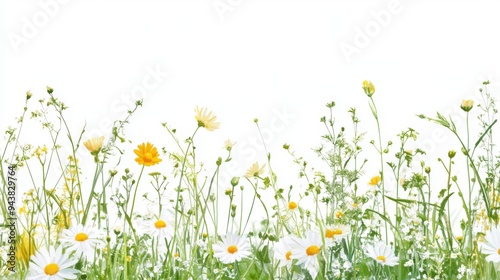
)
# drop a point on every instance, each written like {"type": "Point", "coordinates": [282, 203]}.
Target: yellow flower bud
{"type": "Point", "coordinates": [368, 87]}
{"type": "Point", "coordinates": [467, 105]}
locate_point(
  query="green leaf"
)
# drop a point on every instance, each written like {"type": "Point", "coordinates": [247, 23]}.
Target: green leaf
{"type": "Point", "coordinates": [484, 134]}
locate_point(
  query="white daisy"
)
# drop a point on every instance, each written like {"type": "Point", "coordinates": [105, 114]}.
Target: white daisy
{"type": "Point", "coordinates": [336, 233]}
{"type": "Point", "coordinates": [161, 227]}
{"type": "Point", "coordinates": [83, 240]}
{"type": "Point", "coordinates": [306, 251]}
{"type": "Point", "coordinates": [52, 264]}
{"type": "Point", "coordinates": [491, 244]}
{"type": "Point", "coordinates": [283, 251]}
{"type": "Point", "coordinates": [232, 248]}
{"type": "Point", "coordinates": [382, 253]}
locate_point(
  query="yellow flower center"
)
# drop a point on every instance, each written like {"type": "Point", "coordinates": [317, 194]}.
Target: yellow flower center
{"type": "Point", "coordinates": [292, 205]}
{"type": "Point", "coordinates": [81, 237]}
{"type": "Point", "coordinates": [381, 258]}
{"type": "Point", "coordinates": [51, 269]}
{"type": "Point", "coordinates": [498, 251]}
{"type": "Point", "coordinates": [312, 250]}
{"type": "Point", "coordinates": [330, 233]}
{"type": "Point", "coordinates": [147, 157]}
{"type": "Point", "coordinates": [232, 249]}
{"type": "Point", "coordinates": [287, 255]}
{"type": "Point", "coordinates": [355, 205]}
{"type": "Point", "coordinates": [339, 214]}
{"type": "Point", "coordinates": [160, 224]}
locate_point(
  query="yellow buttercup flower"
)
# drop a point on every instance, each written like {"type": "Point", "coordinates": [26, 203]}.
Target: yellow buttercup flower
{"type": "Point", "coordinates": [374, 180]}
{"type": "Point", "coordinates": [94, 144]}
{"type": "Point", "coordinates": [206, 119]}
{"type": "Point", "coordinates": [147, 154]}
{"type": "Point", "coordinates": [368, 87]}
{"type": "Point", "coordinates": [467, 105]}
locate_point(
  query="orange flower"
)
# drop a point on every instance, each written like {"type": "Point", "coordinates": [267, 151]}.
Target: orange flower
{"type": "Point", "coordinates": [147, 154]}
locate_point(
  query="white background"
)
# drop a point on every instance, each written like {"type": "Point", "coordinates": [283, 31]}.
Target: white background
{"type": "Point", "coordinates": [250, 61]}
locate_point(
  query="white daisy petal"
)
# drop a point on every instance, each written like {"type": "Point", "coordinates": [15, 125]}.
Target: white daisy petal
{"type": "Point", "coordinates": [232, 248]}
{"type": "Point", "coordinates": [491, 245]}
{"type": "Point", "coordinates": [382, 253]}
{"type": "Point", "coordinates": [306, 251]}
{"type": "Point", "coordinates": [51, 263]}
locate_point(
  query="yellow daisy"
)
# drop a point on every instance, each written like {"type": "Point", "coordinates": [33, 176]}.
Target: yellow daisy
{"type": "Point", "coordinates": [147, 154]}
{"type": "Point", "coordinates": [206, 119]}
{"type": "Point", "coordinates": [255, 170]}
{"type": "Point", "coordinates": [94, 144]}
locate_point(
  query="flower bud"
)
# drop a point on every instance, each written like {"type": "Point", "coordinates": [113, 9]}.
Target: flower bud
{"type": "Point", "coordinates": [368, 87]}
{"type": "Point", "coordinates": [451, 154]}
{"type": "Point", "coordinates": [235, 181]}
{"type": "Point", "coordinates": [467, 105]}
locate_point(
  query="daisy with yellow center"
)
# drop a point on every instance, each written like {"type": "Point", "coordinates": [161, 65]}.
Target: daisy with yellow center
{"type": "Point", "coordinates": [255, 170]}
{"type": "Point", "coordinates": [374, 180]}
{"type": "Point", "coordinates": [232, 248]}
{"type": "Point", "coordinates": [306, 251]}
{"type": "Point", "coordinates": [147, 154]}
{"type": "Point", "coordinates": [206, 119]}
{"type": "Point", "coordinates": [83, 240]}
{"type": "Point", "coordinates": [52, 263]}
{"type": "Point", "coordinates": [94, 144]}
{"type": "Point", "coordinates": [382, 254]}
{"type": "Point", "coordinates": [491, 244]}
{"type": "Point", "coordinates": [283, 251]}
{"type": "Point", "coordinates": [161, 227]}
{"type": "Point", "coordinates": [336, 233]}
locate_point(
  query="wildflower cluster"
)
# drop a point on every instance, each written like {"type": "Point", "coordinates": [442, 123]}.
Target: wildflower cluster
{"type": "Point", "coordinates": [110, 206]}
